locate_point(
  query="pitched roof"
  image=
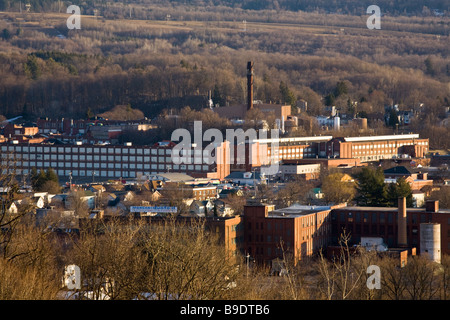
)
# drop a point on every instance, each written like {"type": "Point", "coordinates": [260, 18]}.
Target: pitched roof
{"type": "Point", "coordinates": [398, 170]}
{"type": "Point", "coordinates": [240, 175]}
{"type": "Point", "coordinates": [175, 177]}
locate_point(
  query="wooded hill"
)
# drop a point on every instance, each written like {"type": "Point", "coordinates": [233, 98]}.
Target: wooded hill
{"type": "Point", "coordinates": [173, 62]}
{"type": "Point", "coordinates": [356, 7]}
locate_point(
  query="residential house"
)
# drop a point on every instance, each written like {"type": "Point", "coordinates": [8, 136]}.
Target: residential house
{"type": "Point", "coordinates": [244, 178]}
{"type": "Point", "coordinates": [114, 206]}
{"type": "Point", "coordinates": [37, 201]}
{"type": "Point", "coordinates": [315, 193]}
{"type": "Point", "coordinates": [223, 208]}
{"type": "Point", "coordinates": [57, 219]}
{"type": "Point", "coordinates": [418, 198]}
{"type": "Point", "coordinates": [202, 192]}
{"type": "Point", "coordinates": [417, 180]}
{"type": "Point", "coordinates": [224, 193]}
{"type": "Point", "coordinates": [97, 188]}
{"type": "Point", "coordinates": [59, 200]}
{"type": "Point", "coordinates": [89, 200]}
{"type": "Point", "coordinates": [152, 196]}
{"type": "Point", "coordinates": [201, 208]}
{"type": "Point", "coordinates": [13, 208]}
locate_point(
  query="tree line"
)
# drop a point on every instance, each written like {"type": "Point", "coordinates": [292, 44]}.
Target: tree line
{"type": "Point", "coordinates": [151, 67]}
{"type": "Point", "coordinates": [346, 7]}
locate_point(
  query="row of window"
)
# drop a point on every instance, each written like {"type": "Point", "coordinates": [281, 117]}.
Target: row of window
{"type": "Point", "coordinates": [376, 217]}
{"type": "Point", "coordinates": [117, 172]}
{"type": "Point", "coordinates": [99, 150]}
{"type": "Point", "coordinates": [106, 165]}
{"type": "Point", "coordinates": [33, 156]}
{"type": "Point", "coordinates": [291, 150]}
{"type": "Point", "coordinates": [88, 150]}
{"type": "Point", "coordinates": [388, 145]}
{"type": "Point", "coordinates": [89, 173]}
{"type": "Point", "coordinates": [270, 250]}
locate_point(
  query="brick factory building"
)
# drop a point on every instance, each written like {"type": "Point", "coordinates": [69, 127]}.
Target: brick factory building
{"type": "Point", "coordinates": [297, 230]}
{"type": "Point", "coordinates": [374, 148]}
{"type": "Point", "coordinates": [335, 152]}
{"type": "Point", "coordinates": [383, 222]}
{"type": "Point", "coordinates": [302, 231]}
{"type": "Point", "coordinates": [110, 161]}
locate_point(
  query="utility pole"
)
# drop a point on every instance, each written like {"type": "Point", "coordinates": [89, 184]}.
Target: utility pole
{"type": "Point", "coordinates": [248, 258]}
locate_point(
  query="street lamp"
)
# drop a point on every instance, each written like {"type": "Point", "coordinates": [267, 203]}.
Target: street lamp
{"type": "Point", "coordinates": [248, 258]}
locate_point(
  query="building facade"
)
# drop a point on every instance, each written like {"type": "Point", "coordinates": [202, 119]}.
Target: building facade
{"type": "Point", "coordinates": [297, 232]}
{"type": "Point", "coordinates": [374, 148]}
{"type": "Point", "coordinates": [110, 161]}
{"type": "Point", "coordinates": [383, 222]}
{"type": "Point", "coordinates": [302, 231]}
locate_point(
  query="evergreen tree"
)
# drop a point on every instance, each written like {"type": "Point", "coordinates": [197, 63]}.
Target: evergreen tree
{"type": "Point", "coordinates": [393, 118]}
{"type": "Point", "coordinates": [40, 179]}
{"type": "Point", "coordinates": [287, 95]}
{"type": "Point", "coordinates": [217, 96]}
{"type": "Point", "coordinates": [6, 34]}
{"type": "Point", "coordinates": [330, 99]}
{"type": "Point", "coordinates": [33, 176]}
{"type": "Point", "coordinates": [341, 88]}
{"type": "Point", "coordinates": [51, 175]}
{"type": "Point", "coordinates": [400, 189]}
{"type": "Point", "coordinates": [32, 68]}
{"type": "Point", "coordinates": [371, 189]}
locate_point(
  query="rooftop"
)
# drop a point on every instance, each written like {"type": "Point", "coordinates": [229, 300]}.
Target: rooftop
{"type": "Point", "coordinates": [381, 138]}
{"type": "Point", "coordinates": [398, 170]}
{"type": "Point", "coordinates": [296, 210]}
{"type": "Point", "coordinates": [173, 177]}
{"type": "Point", "coordinates": [389, 209]}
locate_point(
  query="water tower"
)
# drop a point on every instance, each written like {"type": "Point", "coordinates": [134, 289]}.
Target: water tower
{"type": "Point", "coordinates": [430, 241]}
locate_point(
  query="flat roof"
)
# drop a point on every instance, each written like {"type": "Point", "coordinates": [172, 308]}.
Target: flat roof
{"type": "Point", "coordinates": [296, 210]}
{"type": "Point", "coordinates": [173, 176]}
{"type": "Point", "coordinates": [389, 209]}
{"type": "Point", "coordinates": [294, 139]}
{"type": "Point", "coordinates": [381, 138]}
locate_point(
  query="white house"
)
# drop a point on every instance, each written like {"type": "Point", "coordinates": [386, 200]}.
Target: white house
{"type": "Point", "coordinates": [201, 208]}
{"type": "Point", "coordinates": [418, 198]}
{"type": "Point", "coordinates": [244, 178]}
{"type": "Point", "coordinates": [12, 208]}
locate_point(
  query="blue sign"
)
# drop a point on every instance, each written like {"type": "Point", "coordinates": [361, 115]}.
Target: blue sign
{"type": "Point", "coordinates": [158, 209]}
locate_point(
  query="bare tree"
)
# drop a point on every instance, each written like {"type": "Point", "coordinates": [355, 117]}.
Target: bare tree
{"type": "Point", "coordinates": [393, 281]}
{"type": "Point", "coordinates": [184, 262]}
{"type": "Point", "coordinates": [340, 277]}
{"type": "Point", "coordinates": [327, 277]}
{"type": "Point", "coordinates": [109, 258]}
{"type": "Point", "coordinates": [421, 279]}
{"type": "Point", "coordinates": [27, 255]}
{"type": "Point", "coordinates": [445, 277]}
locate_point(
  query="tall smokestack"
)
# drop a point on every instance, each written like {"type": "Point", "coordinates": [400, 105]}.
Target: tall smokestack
{"type": "Point", "coordinates": [249, 85]}
{"type": "Point", "coordinates": [402, 240]}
